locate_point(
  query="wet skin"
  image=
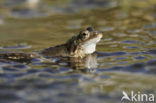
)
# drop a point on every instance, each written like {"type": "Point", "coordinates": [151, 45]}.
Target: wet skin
{"type": "Point", "coordinates": [78, 46]}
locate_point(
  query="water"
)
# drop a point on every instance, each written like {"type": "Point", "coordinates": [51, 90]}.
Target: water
{"type": "Point", "coordinates": [125, 60]}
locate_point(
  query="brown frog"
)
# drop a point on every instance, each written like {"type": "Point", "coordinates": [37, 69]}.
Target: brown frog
{"type": "Point", "coordinates": [78, 46]}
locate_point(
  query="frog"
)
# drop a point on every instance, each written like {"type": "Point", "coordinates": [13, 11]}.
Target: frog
{"type": "Point", "coordinates": [78, 46]}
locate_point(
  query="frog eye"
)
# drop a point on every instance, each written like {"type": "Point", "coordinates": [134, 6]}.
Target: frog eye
{"type": "Point", "coordinates": [84, 34]}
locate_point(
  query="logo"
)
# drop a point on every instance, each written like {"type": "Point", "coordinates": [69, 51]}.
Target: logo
{"type": "Point", "coordinates": [137, 97]}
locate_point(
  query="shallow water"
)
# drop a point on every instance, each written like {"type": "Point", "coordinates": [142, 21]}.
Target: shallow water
{"type": "Point", "coordinates": [125, 60]}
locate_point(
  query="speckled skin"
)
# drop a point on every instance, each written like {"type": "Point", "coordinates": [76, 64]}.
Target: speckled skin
{"type": "Point", "coordinates": [73, 47]}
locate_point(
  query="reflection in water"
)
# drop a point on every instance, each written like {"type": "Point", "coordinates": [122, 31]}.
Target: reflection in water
{"type": "Point", "coordinates": [88, 62]}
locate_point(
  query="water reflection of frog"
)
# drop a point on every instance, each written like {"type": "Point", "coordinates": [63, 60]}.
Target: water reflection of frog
{"type": "Point", "coordinates": [79, 47]}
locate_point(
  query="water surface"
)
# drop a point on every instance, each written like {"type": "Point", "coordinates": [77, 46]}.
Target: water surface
{"type": "Point", "coordinates": [126, 54]}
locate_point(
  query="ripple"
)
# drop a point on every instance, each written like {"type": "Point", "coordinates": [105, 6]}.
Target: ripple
{"type": "Point", "coordinates": [8, 97]}
{"type": "Point", "coordinates": [93, 4]}
{"type": "Point", "coordinates": [115, 68]}
{"type": "Point", "coordinates": [134, 31]}
{"type": "Point", "coordinates": [152, 32]}
{"type": "Point", "coordinates": [105, 54]}
{"type": "Point", "coordinates": [107, 29]}
{"type": "Point", "coordinates": [119, 34]}
{"type": "Point", "coordinates": [64, 70]}
{"type": "Point", "coordinates": [64, 95]}
{"type": "Point", "coordinates": [139, 57]}
{"type": "Point", "coordinates": [18, 46]}
{"type": "Point", "coordinates": [12, 86]}
{"type": "Point", "coordinates": [32, 71]}
{"type": "Point", "coordinates": [151, 62]}
{"type": "Point", "coordinates": [27, 13]}
{"type": "Point", "coordinates": [129, 42]}
{"type": "Point", "coordinates": [12, 75]}
{"type": "Point", "coordinates": [151, 66]}
{"type": "Point", "coordinates": [149, 26]}
{"type": "Point", "coordinates": [133, 68]}
{"type": "Point", "coordinates": [151, 51]}
{"type": "Point", "coordinates": [120, 58]}
{"type": "Point", "coordinates": [137, 66]}
{"type": "Point", "coordinates": [9, 69]}
{"type": "Point", "coordinates": [130, 47]}
{"type": "Point", "coordinates": [13, 2]}
{"type": "Point", "coordinates": [43, 86]}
